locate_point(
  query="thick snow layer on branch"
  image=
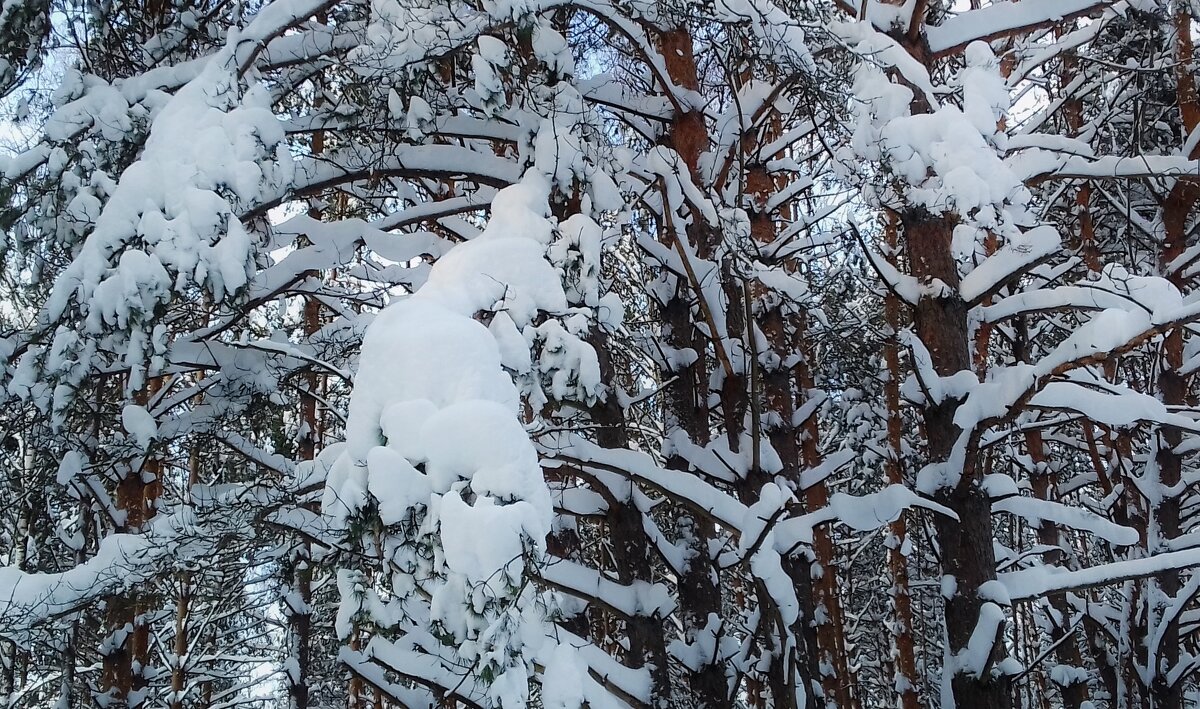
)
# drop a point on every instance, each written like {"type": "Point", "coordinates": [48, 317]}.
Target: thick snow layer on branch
{"type": "Point", "coordinates": [1115, 289]}
{"type": "Point", "coordinates": [1039, 581]}
{"type": "Point", "coordinates": [1000, 17]}
{"type": "Point", "coordinates": [975, 659]}
{"type": "Point", "coordinates": [640, 598]}
{"type": "Point", "coordinates": [140, 424]}
{"type": "Point", "coordinates": [1037, 511]}
{"type": "Point", "coordinates": [886, 52]}
{"type": "Point", "coordinates": [172, 220]}
{"type": "Point", "coordinates": [858, 512]}
{"type": "Point", "coordinates": [1021, 251]}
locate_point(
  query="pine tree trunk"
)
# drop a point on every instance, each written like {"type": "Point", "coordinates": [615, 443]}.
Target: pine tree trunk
{"type": "Point", "coordinates": [967, 554]}
{"type": "Point", "coordinates": [906, 680]}
{"type": "Point", "coordinates": [298, 605]}
{"type": "Point", "coordinates": [183, 602]}
{"type": "Point", "coordinates": [127, 647]}
{"type": "Point", "coordinates": [1172, 389]}
{"type": "Point", "coordinates": [1066, 650]}
{"type": "Point", "coordinates": [631, 547]}
{"type": "Point", "coordinates": [831, 630]}
{"type": "Point", "coordinates": [699, 592]}
{"type": "Point", "coordinates": [941, 322]}
{"type": "Point", "coordinates": [787, 677]}
{"type": "Point", "coordinates": [1073, 113]}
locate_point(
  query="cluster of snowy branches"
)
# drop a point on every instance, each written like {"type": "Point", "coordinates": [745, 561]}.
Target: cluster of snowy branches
{"type": "Point", "coordinates": [604, 353]}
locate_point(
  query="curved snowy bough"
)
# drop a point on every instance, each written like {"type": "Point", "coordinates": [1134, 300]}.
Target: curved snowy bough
{"type": "Point", "coordinates": [172, 225]}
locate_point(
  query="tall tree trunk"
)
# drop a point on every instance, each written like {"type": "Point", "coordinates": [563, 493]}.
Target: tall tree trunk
{"type": "Point", "coordinates": [298, 603]}
{"type": "Point", "coordinates": [298, 607]}
{"type": "Point", "coordinates": [967, 554]}
{"type": "Point", "coordinates": [1073, 115]}
{"type": "Point", "coordinates": [183, 602]}
{"type": "Point", "coordinates": [126, 649]}
{"type": "Point", "coordinates": [1066, 649]}
{"type": "Point", "coordinates": [942, 324]}
{"type": "Point", "coordinates": [906, 680]}
{"type": "Point", "coordinates": [687, 400]}
{"type": "Point", "coordinates": [1172, 389]}
{"type": "Point", "coordinates": [631, 546]}
{"type": "Point", "coordinates": [837, 681]}
{"type": "Point", "coordinates": [791, 671]}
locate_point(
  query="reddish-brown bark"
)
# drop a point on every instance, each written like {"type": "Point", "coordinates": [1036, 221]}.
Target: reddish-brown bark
{"type": "Point", "coordinates": [902, 622]}
{"type": "Point", "coordinates": [966, 543]}
{"type": "Point", "coordinates": [687, 406]}
{"type": "Point", "coordinates": [1172, 384]}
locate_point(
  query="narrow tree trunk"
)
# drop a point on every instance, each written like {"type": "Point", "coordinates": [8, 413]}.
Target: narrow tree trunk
{"type": "Point", "coordinates": [831, 631]}
{"type": "Point", "coordinates": [1073, 113]}
{"type": "Point", "coordinates": [1066, 650]}
{"type": "Point", "coordinates": [126, 649]}
{"type": "Point", "coordinates": [906, 680]}
{"type": "Point", "coordinates": [183, 602]}
{"type": "Point", "coordinates": [789, 678]}
{"type": "Point", "coordinates": [941, 322]}
{"type": "Point", "coordinates": [631, 546]}
{"type": "Point", "coordinates": [21, 542]}
{"type": "Point", "coordinates": [699, 592]}
{"type": "Point", "coordinates": [297, 605]}
{"type": "Point", "coordinates": [1172, 389]}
